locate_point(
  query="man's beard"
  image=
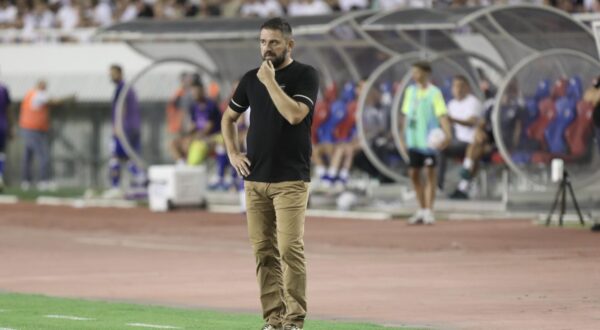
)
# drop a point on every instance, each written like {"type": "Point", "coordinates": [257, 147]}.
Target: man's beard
{"type": "Point", "coordinates": [278, 60]}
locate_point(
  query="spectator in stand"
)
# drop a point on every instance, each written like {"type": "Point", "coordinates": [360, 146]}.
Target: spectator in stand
{"type": "Point", "coordinates": [348, 5]}
{"type": "Point", "coordinates": [8, 14]}
{"type": "Point", "coordinates": [103, 13]}
{"type": "Point", "coordinates": [144, 9]}
{"type": "Point", "coordinates": [41, 17]}
{"type": "Point", "coordinates": [390, 4]}
{"type": "Point", "coordinates": [126, 10]}
{"type": "Point", "coordinates": [67, 17]}
{"type": "Point", "coordinates": [261, 8]}
{"type": "Point", "coordinates": [308, 7]}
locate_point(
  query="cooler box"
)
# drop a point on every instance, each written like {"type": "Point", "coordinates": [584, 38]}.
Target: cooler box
{"type": "Point", "coordinates": [172, 186]}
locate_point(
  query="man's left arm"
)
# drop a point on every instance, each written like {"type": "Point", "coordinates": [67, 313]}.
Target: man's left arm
{"type": "Point", "coordinates": [294, 109]}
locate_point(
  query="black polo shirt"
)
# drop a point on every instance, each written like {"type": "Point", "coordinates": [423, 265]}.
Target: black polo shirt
{"type": "Point", "coordinates": [277, 150]}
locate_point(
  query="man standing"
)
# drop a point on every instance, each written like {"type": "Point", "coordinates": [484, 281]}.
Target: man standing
{"type": "Point", "coordinates": [282, 94]}
{"type": "Point", "coordinates": [465, 113]}
{"type": "Point", "coordinates": [34, 120]}
{"type": "Point", "coordinates": [6, 128]}
{"type": "Point", "coordinates": [131, 119]}
{"type": "Point", "coordinates": [424, 110]}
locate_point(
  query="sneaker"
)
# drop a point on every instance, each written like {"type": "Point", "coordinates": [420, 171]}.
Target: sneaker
{"type": "Point", "coordinates": [428, 218]}
{"type": "Point", "coordinates": [458, 194]}
{"type": "Point", "coordinates": [270, 327]}
{"type": "Point", "coordinates": [291, 327]}
{"type": "Point", "coordinates": [416, 218]}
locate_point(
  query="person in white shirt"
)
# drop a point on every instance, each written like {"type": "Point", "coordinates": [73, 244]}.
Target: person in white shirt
{"type": "Point", "coordinates": [308, 8]}
{"type": "Point", "coordinates": [465, 112]}
{"type": "Point", "coordinates": [261, 8]}
{"type": "Point", "coordinates": [8, 14]}
{"type": "Point", "coordinates": [127, 10]}
{"type": "Point", "coordinates": [103, 14]}
{"type": "Point", "coordinates": [68, 16]}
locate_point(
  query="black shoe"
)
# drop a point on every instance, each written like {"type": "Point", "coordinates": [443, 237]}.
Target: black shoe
{"type": "Point", "coordinates": [457, 194]}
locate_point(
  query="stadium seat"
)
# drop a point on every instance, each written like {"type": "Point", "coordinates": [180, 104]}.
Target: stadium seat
{"type": "Point", "coordinates": [344, 131]}
{"type": "Point", "coordinates": [320, 116]}
{"type": "Point", "coordinates": [555, 131]}
{"type": "Point", "coordinates": [578, 134]}
{"type": "Point", "coordinates": [559, 89]}
{"type": "Point", "coordinates": [575, 89]}
{"type": "Point", "coordinates": [536, 130]}
{"type": "Point", "coordinates": [325, 132]}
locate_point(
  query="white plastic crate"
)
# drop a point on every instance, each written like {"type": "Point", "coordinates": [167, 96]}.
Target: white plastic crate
{"type": "Point", "coordinates": [171, 186]}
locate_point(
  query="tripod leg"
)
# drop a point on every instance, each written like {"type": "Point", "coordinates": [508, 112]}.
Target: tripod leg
{"type": "Point", "coordinates": [563, 203]}
{"type": "Point", "coordinates": [560, 188]}
{"type": "Point", "coordinates": [575, 203]}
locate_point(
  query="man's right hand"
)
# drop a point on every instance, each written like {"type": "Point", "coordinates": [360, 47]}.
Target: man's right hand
{"type": "Point", "coordinates": [240, 163]}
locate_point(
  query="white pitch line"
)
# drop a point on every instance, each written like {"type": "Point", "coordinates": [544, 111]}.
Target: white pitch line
{"type": "Point", "coordinates": [68, 317]}
{"type": "Point", "coordinates": [154, 326]}
{"type": "Point", "coordinates": [7, 329]}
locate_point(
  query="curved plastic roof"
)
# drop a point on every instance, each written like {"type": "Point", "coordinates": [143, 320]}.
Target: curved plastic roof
{"type": "Point", "coordinates": [216, 28]}
{"type": "Point", "coordinates": [524, 28]}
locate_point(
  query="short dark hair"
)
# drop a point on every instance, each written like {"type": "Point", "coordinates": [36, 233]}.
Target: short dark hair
{"type": "Point", "coordinates": [423, 65]}
{"type": "Point", "coordinates": [117, 68]}
{"type": "Point", "coordinates": [462, 78]}
{"type": "Point", "coordinates": [279, 24]}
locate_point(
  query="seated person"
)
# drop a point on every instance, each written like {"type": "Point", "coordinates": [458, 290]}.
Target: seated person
{"type": "Point", "coordinates": [465, 112]}
{"type": "Point", "coordinates": [193, 146]}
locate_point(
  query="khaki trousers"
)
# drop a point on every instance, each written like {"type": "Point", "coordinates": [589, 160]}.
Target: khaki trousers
{"type": "Point", "coordinates": [275, 213]}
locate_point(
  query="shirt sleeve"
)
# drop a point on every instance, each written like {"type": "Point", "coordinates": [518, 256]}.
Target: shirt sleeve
{"type": "Point", "coordinates": [239, 101]}
{"type": "Point", "coordinates": [405, 101]}
{"type": "Point", "coordinates": [40, 99]}
{"type": "Point", "coordinates": [439, 104]}
{"type": "Point", "coordinates": [307, 88]}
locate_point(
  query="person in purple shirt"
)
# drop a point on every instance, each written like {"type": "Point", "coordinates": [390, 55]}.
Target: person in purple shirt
{"type": "Point", "coordinates": [131, 127]}
{"type": "Point", "coordinates": [206, 119]}
{"type": "Point", "coordinates": [6, 128]}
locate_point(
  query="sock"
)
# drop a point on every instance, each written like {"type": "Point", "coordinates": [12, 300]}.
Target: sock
{"type": "Point", "coordinates": [320, 171]}
{"type": "Point", "coordinates": [422, 212]}
{"type": "Point", "coordinates": [427, 212]}
{"type": "Point", "coordinates": [114, 171]}
{"type": "Point", "coordinates": [463, 185]}
{"type": "Point", "coordinates": [332, 173]}
{"type": "Point", "coordinates": [468, 164]}
{"type": "Point", "coordinates": [138, 176]}
{"type": "Point", "coordinates": [2, 159]}
{"type": "Point", "coordinates": [344, 174]}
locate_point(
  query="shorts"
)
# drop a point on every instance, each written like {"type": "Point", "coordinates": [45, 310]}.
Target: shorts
{"type": "Point", "coordinates": [418, 159]}
{"type": "Point", "coordinates": [456, 148]}
{"type": "Point", "coordinates": [117, 149]}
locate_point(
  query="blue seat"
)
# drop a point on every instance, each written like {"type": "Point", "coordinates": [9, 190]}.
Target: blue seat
{"type": "Point", "coordinates": [555, 132]}
{"type": "Point", "coordinates": [326, 130]}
